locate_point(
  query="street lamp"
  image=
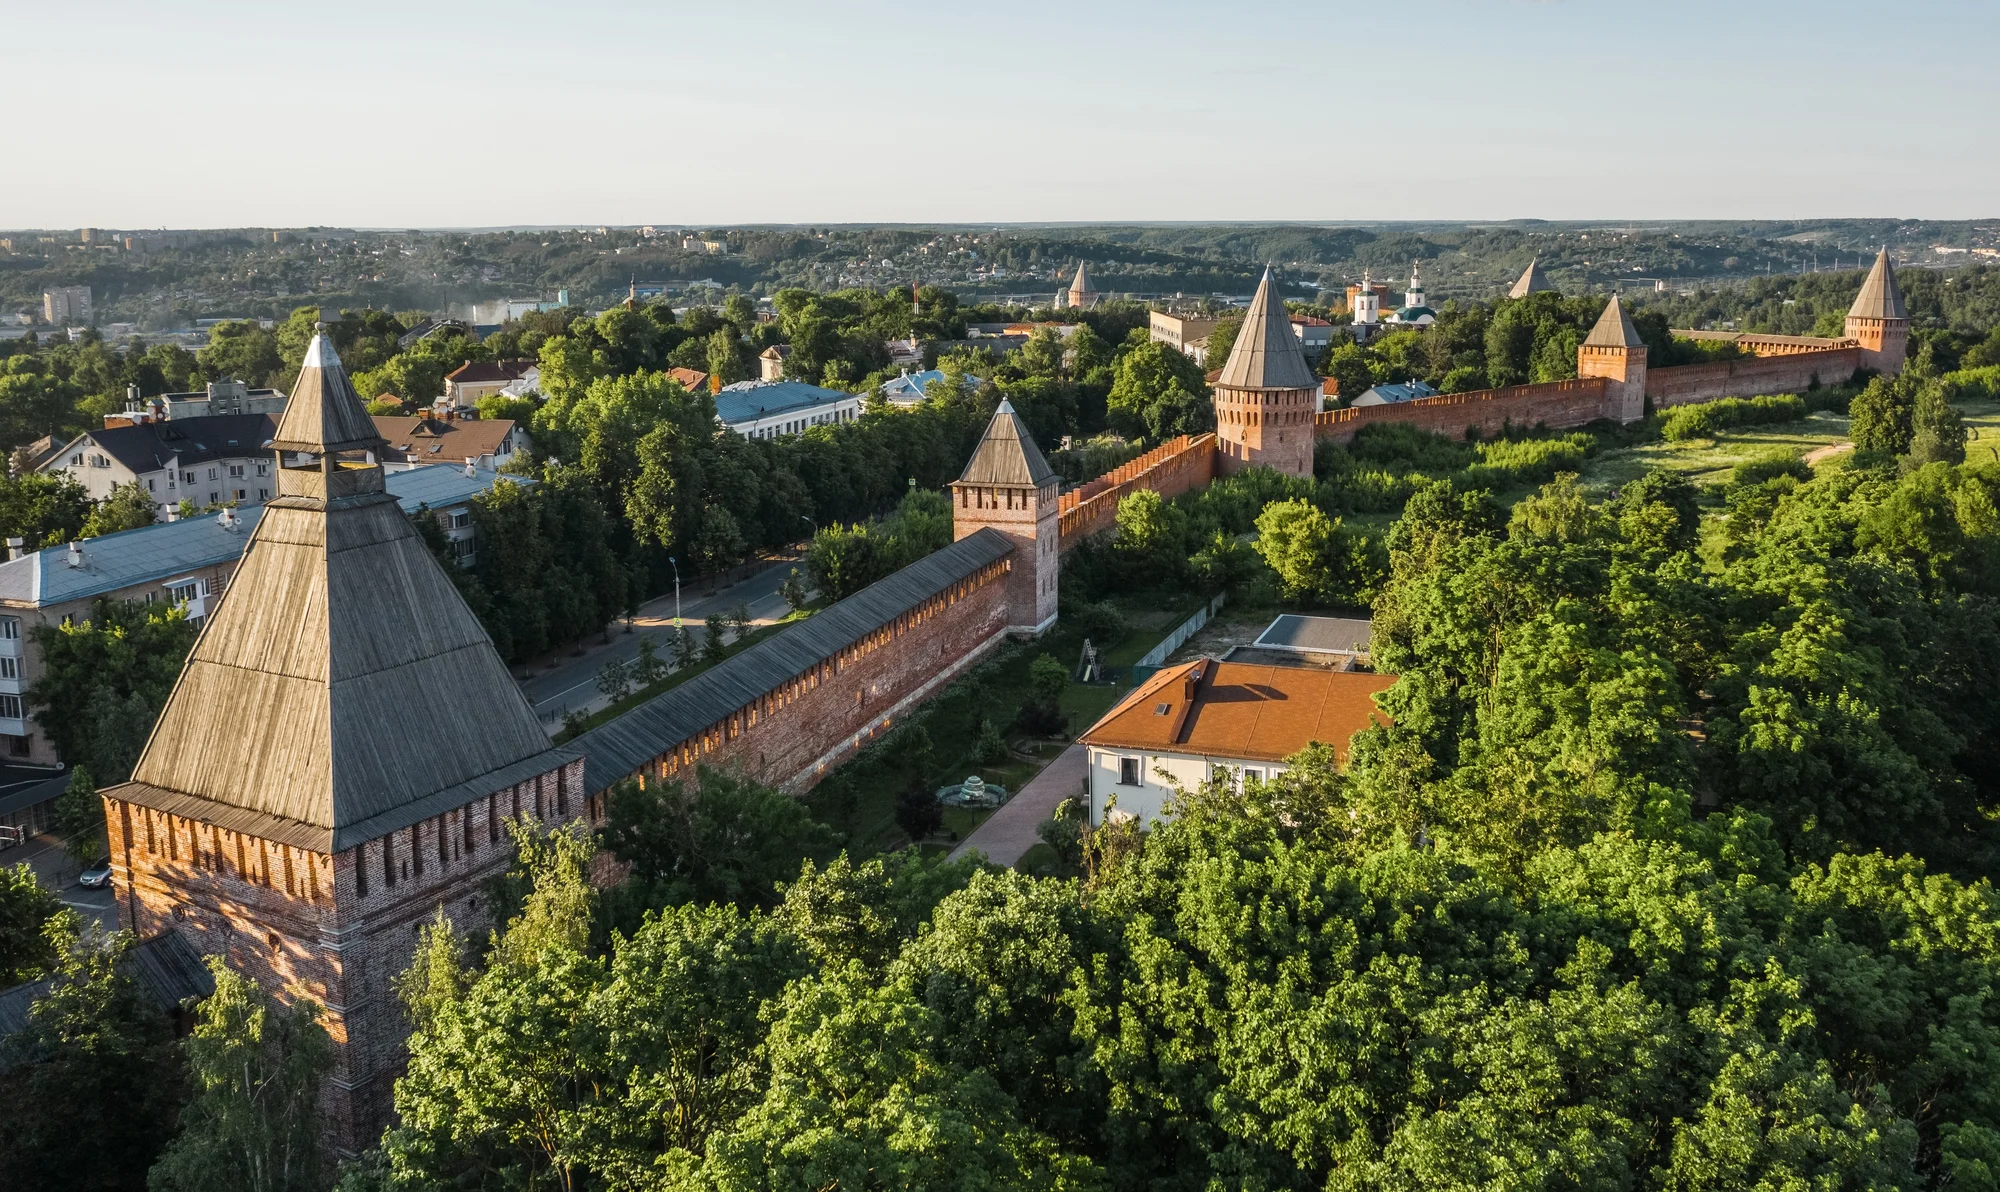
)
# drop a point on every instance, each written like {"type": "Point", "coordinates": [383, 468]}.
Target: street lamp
{"type": "Point", "coordinates": [677, 593]}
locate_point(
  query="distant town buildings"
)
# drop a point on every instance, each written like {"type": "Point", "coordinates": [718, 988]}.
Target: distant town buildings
{"type": "Point", "coordinates": [1388, 395]}
{"type": "Point", "coordinates": [466, 384]}
{"type": "Point", "coordinates": [1365, 302]}
{"type": "Point", "coordinates": [485, 443]}
{"type": "Point", "coordinates": [770, 409]}
{"type": "Point", "coordinates": [66, 306]}
{"type": "Point", "coordinates": [771, 362]}
{"type": "Point", "coordinates": [1187, 334]}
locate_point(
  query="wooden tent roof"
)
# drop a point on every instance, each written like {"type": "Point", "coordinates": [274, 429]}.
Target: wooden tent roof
{"type": "Point", "coordinates": [1614, 328]}
{"type": "Point", "coordinates": [1880, 296]}
{"type": "Point", "coordinates": [1533, 281]}
{"type": "Point", "coordinates": [1266, 354]}
{"type": "Point", "coordinates": [324, 414]}
{"type": "Point", "coordinates": [342, 689]}
{"type": "Point", "coordinates": [1007, 455]}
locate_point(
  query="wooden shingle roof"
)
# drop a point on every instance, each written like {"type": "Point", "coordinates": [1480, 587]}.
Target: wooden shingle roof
{"type": "Point", "coordinates": [1267, 354]}
{"type": "Point", "coordinates": [1880, 296]}
{"type": "Point", "coordinates": [1614, 328]}
{"type": "Point", "coordinates": [324, 414]}
{"type": "Point", "coordinates": [1007, 455]}
{"type": "Point", "coordinates": [1533, 281]}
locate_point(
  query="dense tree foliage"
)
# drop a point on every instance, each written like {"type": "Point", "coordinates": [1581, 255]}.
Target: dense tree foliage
{"type": "Point", "coordinates": [105, 679]}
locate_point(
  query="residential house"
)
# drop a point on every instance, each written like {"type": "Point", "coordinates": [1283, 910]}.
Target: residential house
{"type": "Point", "coordinates": [1389, 395]}
{"type": "Point", "coordinates": [692, 379]}
{"type": "Point", "coordinates": [1315, 334]}
{"type": "Point", "coordinates": [911, 388]}
{"type": "Point", "coordinates": [1212, 717]}
{"type": "Point", "coordinates": [466, 384]}
{"type": "Point", "coordinates": [488, 443]}
{"type": "Point", "coordinates": [768, 409]}
{"type": "Point", "coordinates": [186, 562]}
{"type": "Point", "coordinates": [220, 397]}
{"type": "Point", "coordinates": [220, 459]}
{"type": "Point", "coordinates": [1187, 334]}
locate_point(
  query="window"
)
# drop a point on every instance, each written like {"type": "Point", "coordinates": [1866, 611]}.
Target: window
{"type": "Point", "coordinates": [10, 707]}
{"type": "Point", "coordinates": [152, 485]}
{"type": "Point", "coordinates": [10, 667]}
{"type": "Point", "coordinates": [76, 461]}
{"type": "Point", "coordinates": [188, 477]}
{"type": "Point", "coordinates": [211, 473]}
{"type": "Point", "coordinates": [263, 494]}
{"type": "Point", "coordinates": [1128, 771]}
{"type": "Point", "coordinates": [1251, 774]}
{"type": "Point", "coordinates": [461, 549]}
{"type": "Point", "coordinates": [20, 746]}
{"type": "Point", "coordinates": [263, 469]}
{"type": "Point", "coordinates": [460, 519]}
{"type": "Point", "coordinates": [182, 592]}
{"type": "Point", "coordinates": [240, 494]}
{"type": "Point", "coordinates": [10, 628]}
{"type": "Point", "coordinates": [236, 471]}
{"type": "Point", "coordinates": [214, 498]}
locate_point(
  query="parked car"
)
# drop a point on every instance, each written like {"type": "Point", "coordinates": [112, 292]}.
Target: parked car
{"type": "Point", "coordinates": [97, 877]}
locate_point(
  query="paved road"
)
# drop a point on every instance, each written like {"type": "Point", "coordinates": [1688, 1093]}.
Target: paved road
{"type": "Point", "coordinates": [1010, 831]}
{"type": "Point", "coordinates": [573, 684]}
{"type": "Point", "coordinates": [54, 869]}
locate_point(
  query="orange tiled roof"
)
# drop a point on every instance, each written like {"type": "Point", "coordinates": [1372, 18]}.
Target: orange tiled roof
{"type": "Point", "coordinates": [692, 379]}
{"type": "Point", "coordinates": [1241, 710]}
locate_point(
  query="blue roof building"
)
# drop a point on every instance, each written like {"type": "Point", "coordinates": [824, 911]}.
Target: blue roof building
{"type": "Point", "coordinates": [768, 409]}
{"type": "Point", "coordinates": [1389, 395]}
{"type": "Point", "coordinates": [912, 387]}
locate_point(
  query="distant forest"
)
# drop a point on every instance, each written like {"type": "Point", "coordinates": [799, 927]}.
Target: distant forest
{"type": "Point", "coordinates": [169, 279]}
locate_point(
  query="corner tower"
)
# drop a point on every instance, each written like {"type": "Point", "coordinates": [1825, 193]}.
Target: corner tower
{"type": "Point", "coordinates": [1266, 397]}
{"type": "Point", "coordinates": [1879, 321]}
{"type": "Point", "coordinates": [1009, 486]}
{"type": "Point", "coordinates": [335, 761]}
{"type": "Point", "coordinates": [1614, 351]}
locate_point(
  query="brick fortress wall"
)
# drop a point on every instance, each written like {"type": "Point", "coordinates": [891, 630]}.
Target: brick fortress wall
{"type": "Point", "coordinates": [793, 734]}
{"type": "Point", "coordinates": [1555, 404]}
{"type": "Point", "coordinates": [336, 927]}
{"type": "Point", "coordinates": [1791, 372]}
{"type": "Point", "coordinates": [1172, 468]}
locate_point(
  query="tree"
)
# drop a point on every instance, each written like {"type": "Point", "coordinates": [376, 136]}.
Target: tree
{"type": "Point", "coordinates": [105, 679]}
{"type": "Point", "coordinates": [79, 817]}
{"type": "Point", "coordinates": [1347, 364]}
{"type": "Point", "coordinates": [44, 508]}
{"type": "Point", "coordinates": [1879, 417]}
{"type": "Point", "coordinates": [1316, 560]}
{"type": "Point", "coordinates": [26, 907]}
{"type": "Point", "coordinates": [614, 681]}
{"type": "Point", "coordinates": [712, 648]}
{"type": "Point", "coordinates": [256, 1065]}
{"type": "Point", "coordinates": [683, 642]}
{"type": "Point", "coordinates": [1157, 393]}
{"type": "Point", "coordinates": [711, 837]}
{"type": "Point", "coordinates": [93, 1080]}
{"type": "Point", "coordinates": [241, 351]}
{"type": "Point", "coordinates": [792, 591]}
{"type": "Point", "coordinates": [127, 508]}
{"type": "Point", "coordinates": [648, 668]}
{"type": "Point", "coordinates": [1937, 435]}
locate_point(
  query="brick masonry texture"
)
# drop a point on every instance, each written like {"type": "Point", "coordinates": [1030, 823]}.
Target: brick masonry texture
{"type": "Point", "coordinates": [1174, 467]}
{"type": "Point", "coordinates": [1752, 377]}
{"type": "Point", "coordinates": [334, 927]}
{"type": "Point", "coordinates": [1554, 404]}
{"type": "Point", "coordinates": [792, 735]}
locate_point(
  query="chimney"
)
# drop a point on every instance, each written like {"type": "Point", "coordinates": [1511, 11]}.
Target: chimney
{"type": "Point", "coordinates": [471, 468]}
{"type": "Point", "coordinates": [76, 554]}
{"type": "Point", "coordinates": [14, 548]}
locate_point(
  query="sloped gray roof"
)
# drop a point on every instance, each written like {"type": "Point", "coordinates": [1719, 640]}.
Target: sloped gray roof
{"type": "Point", "coordinates": [1880, 296]}
{"type": "Point", "coordinates": [324, 414]}
{"type": "Point", "coordinates": [1614, 328]}
{"type": "Point", "coordinates": [148, 446]}
{"type": "Point", "coordinates": [342, 689]}
{"type": "Point", "coordinates": [1267, 354]}
{"type": "Point", "coordinates": [1533, 281]}
{"type": "Point", "coordinates": [165, 550]}
{"type": "Point", "coordinates": [1007, 455]}
{"type": "Point", "coordinates": [615, 750]}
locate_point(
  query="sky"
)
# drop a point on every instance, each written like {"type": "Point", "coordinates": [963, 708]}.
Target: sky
{"type": "Point", "coordinates": [223, 113]}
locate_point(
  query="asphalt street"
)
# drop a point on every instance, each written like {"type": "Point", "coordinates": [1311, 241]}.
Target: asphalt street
{"type": "Point", "coordinates": [573, 684]}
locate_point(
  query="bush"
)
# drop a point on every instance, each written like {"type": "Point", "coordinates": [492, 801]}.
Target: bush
{"type": "Point", "coordinates": [919, 814]}
{"type": "Point", "coordinates": [1703, 420]}
{"type": "Point", "coordinates": [1769, 467]}
{"type": "Point", "coordinates": [1510, 463]}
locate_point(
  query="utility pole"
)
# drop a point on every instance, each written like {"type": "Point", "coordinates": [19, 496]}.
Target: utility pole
{"type": "Point", "coordinates": [677, 593]}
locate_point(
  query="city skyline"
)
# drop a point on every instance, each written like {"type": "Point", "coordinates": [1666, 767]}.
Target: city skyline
{"type": "Point", "coordinates": [887, 113]}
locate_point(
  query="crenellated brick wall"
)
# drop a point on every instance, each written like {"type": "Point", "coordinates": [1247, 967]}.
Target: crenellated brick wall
{"type": "Point", "coordinates": [336, 927]}
{"type": "Point", "coordinates": [1554, 403]}
{"type": "Point", "coordinates": [1750, 377]}
{"type": "Point", "coordinates": [1172, 468]}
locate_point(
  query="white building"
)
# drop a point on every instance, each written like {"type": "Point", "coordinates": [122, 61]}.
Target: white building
{"type": "Point", "coordinates": [769, 409]}
{"type": "Point", "coordinates": [66, 306]}
{"type": "Point", "coordinates": [1415, 312]}
{"type": "Point", "coordinates": [221, 459]}
{"type": "Point", "coordinates": [1207, 718]}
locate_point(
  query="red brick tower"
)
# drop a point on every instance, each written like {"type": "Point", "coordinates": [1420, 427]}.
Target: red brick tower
{"type": "Point", "coordinates": [1614, 351]}
{"type": "Point", "coordinates": [1267, 396]}
{"type": "Point", "coordinates": [337, 757]}
{"type": "Point", "coordinates": [1010, 487]}
{"type": "Point", "coordinates": [1879, 320]}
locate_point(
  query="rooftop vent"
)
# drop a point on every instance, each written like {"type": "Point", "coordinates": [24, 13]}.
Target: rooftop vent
{"type": "Point", "coordinates": [76, 554]}
{"type": "Point", "coordinates": [14, 548]}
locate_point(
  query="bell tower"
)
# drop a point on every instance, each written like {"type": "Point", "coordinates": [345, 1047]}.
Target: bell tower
{"type": "Point", "coordinates": [1010, 487]}
{"type": "Point", "coordinates": [1266, 397]}
{"type": "Point", "coordinates": [1879, 320]}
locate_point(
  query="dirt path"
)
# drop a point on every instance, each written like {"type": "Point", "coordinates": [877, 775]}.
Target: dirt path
{"type": "Point", "coordinates": [1831, 449]}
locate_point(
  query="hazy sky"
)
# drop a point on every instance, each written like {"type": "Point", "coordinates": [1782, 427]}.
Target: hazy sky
{"type": "Point", "coordinates": [228, 112]}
